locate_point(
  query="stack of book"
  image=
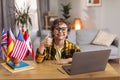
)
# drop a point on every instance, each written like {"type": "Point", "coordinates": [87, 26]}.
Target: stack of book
{"type": "Point", "coordinates": [22, 66]}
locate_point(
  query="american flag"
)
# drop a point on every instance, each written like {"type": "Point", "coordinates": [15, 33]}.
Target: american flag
{"type": "Point", "coordinates": [20, 48]}
{"type": "Point", "coordinates": [4, 44]}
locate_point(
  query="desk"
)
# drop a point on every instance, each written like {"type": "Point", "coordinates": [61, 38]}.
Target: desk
{"type": "Point", "coordinates": [47, 70]}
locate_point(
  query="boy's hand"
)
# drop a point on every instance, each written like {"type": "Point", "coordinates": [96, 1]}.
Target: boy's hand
{"type": "Point", "coordinates": [47, 41]}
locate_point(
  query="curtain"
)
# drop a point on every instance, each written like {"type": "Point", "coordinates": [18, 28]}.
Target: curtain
{"type": "Point", "coordinates": [0, 20]}
{"type": "Point", "coordinates": [43, 8]}
{"type": "Point", "coordinates": [7, 15]}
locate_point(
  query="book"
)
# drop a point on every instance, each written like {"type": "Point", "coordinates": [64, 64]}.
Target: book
{"type": "Point", "coordinates": [22, 65]}
{"type": "Point", "coordinates": [7, 67]}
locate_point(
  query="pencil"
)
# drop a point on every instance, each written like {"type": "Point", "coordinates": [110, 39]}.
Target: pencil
{"type": "Point", "coordinates": [60, 71]}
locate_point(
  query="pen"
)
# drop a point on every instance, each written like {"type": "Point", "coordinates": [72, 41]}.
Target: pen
{"type": "Point", "coordinates": [60, 71]}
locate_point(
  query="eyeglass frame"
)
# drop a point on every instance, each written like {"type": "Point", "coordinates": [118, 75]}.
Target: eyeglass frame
{"type": "Point", "coordinates": [63, 29]}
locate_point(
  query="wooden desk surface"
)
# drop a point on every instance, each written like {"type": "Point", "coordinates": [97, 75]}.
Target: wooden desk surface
{"type": "Point", "coordinates": [47, 70]}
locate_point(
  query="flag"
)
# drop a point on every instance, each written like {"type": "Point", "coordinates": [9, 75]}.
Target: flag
{"type": "Point", "coordinates": [23, 31]}
{"type": "Point", "coordinates": [4, 44]}
{"type": "Point", "coordinates": [29, 43]}
{"type": "Point", "coordinates": [12, 35]}
{"type": "Point", "coordinates": [10, 45]}
{"type": "Point", "coordinates": [20, 48]}
{"type": "Point", "coordinates": [0, 51]}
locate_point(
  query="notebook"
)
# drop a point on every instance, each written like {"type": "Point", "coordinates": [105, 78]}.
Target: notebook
{"type": "Point", "coordinates": [13, 69]}
{"type": "Point", "coordinates": [85, 62]}
{"type": "Point", "coordinates": [22, 65]}
{"type": "Point", "coordinates": [7, 67]}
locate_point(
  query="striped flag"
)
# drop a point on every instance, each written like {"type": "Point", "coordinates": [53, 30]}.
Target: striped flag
{"type": "Point", "coordinates": [29, 43]}
{"type": "Point", "coordinates": [23, 33]}
{"type": "Point", "coordinates": [10, 45]}
{"type": "Point", "coordinates": [4, 44]}
{"type": "Point", "coordinates": [12, 35]}
{"type": "Point", "coordinates": [20, 48]}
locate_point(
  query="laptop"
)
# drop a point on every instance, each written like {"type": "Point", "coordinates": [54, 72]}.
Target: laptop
{"type": "Point", "coordinates": [85, 62]}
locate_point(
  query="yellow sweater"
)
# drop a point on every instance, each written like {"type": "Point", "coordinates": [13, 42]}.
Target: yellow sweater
{"type": "Point", "coordinates": [51, 53]}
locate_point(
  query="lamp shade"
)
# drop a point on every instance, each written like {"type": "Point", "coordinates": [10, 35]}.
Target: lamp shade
{"type": "Point", "coordinates": [77, 24]}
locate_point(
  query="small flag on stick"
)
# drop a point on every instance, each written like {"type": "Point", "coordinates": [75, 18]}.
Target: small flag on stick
{"type": "Point", "coordinates": [29, 43]}
{"type": "Point", "coordinates": [20, 48]}
{"type": "Point", "coordinates": [10, 45]}
{"type": "Point", "coordinates": [4, 44]}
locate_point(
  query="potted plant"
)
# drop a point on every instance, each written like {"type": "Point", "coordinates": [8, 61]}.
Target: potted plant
{"type": "Point", "coordinates": [22, 17]}
{"type": "Point", "coordinates": [66, 10]}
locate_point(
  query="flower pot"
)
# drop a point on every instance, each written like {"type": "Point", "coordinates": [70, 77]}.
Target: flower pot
{"type": "Point", "coordinates": [16, 62]}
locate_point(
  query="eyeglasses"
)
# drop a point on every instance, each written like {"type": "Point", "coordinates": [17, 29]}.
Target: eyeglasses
{"type": "Point", "coordinates": [62, 29]}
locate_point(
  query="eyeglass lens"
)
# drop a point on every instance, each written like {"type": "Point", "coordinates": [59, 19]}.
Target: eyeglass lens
{"type": "Point", "coordinates": [63, 28]}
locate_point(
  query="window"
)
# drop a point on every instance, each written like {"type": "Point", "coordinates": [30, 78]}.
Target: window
{"type": "Point", "coordinates": [33, 11]}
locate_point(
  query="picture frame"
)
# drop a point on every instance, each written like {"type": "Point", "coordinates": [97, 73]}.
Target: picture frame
{"type": "Point", "coordinates": [94, 2]}
{"type": "Point", "coordinates": [49, 21]}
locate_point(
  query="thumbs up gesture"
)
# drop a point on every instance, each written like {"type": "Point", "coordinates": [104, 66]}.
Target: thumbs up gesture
{"type": "Point", "coordinates": [45, 43]}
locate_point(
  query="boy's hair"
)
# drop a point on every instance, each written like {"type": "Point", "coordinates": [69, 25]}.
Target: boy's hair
{"type": "Point", "coordinates": [56, 23]}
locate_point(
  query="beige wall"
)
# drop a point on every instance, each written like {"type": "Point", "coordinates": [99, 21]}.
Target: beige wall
{"type": "Point", "coordinates": [105, 16]}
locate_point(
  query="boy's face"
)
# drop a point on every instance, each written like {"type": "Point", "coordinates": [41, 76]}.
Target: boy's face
{"type": "Point", "coordinates": [61, 31]}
